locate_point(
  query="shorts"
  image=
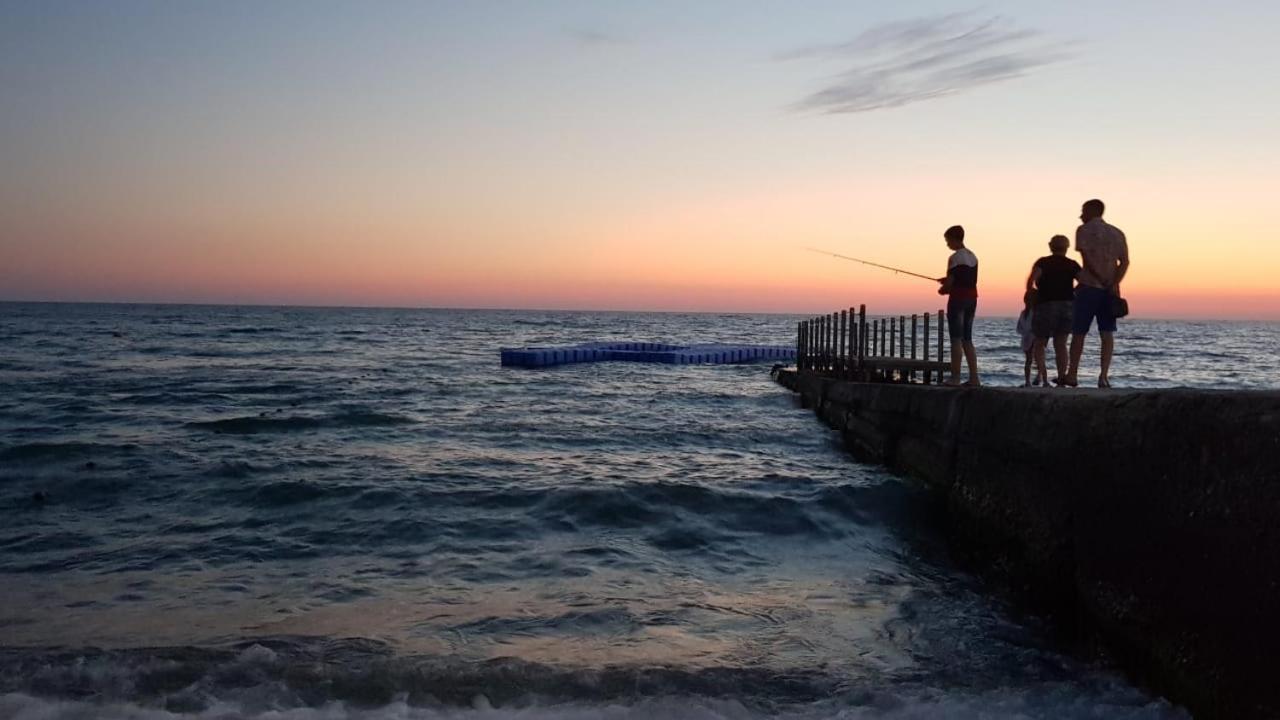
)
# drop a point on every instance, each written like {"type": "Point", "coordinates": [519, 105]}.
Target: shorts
{"type": "Point", "coordinates": [960, 318]}
{"type": "Point", "coordinates": [1092, 302]}
{"type": "Point", "coordinates": [1052, 318]}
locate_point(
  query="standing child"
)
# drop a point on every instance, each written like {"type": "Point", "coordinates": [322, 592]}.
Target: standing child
{"type": "Point", "coordinates": [1028, 335]}
{"type": "Point", "coordinates": [961, 283]}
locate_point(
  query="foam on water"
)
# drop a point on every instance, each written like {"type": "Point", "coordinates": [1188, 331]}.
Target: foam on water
{"type": "Point", "coordinates": [1048, 703]}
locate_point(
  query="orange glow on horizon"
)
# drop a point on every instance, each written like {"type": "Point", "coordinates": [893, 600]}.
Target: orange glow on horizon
{"type": "Point", "coordinates": [730, 250]}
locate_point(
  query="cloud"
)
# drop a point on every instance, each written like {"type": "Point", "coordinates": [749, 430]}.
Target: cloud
{"type": "Point", "coordinates": [591, 37]}
{"type": "Point", "coordinates": [907, 61]}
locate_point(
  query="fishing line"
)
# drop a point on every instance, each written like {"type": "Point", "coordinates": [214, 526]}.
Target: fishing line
{"type": "Point", "coordinates": [873, 264]}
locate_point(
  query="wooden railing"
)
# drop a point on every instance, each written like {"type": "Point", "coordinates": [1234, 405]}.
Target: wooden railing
{"type": "Point", "coordinates": [850, 345]}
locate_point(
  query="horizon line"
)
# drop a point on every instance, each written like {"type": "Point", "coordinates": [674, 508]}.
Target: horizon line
{"type": "Point", "coordinates": [304, 306]}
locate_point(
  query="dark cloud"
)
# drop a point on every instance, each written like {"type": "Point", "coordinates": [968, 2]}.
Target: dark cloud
{"type": "Point", "coordinates": [907, 61]}
{"type": "Point", "coordinates": [590, 37]}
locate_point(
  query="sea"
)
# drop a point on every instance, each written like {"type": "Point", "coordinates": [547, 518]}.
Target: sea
{"type": "Point", "coordinates": [313, 513]}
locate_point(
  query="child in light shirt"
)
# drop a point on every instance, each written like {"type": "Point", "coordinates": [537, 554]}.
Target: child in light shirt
{"type": "Point", "coordinates": [1028, 336]}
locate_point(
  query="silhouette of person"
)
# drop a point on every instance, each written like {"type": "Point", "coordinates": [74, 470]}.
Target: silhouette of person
{"type": "Point", "coordinates": [961, 284]}
{"type": "Point", "coordinates": [1105, 252]}
{"type": "Point", "coordinates": [1053, 277]}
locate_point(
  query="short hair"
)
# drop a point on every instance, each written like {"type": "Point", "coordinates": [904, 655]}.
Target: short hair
{"type": "Point", "coordinates": [1095, 206]}
{"type": "Point", "coordinates": [1059, 242]}
{"type": "Point", "coordinates": [955, 232]}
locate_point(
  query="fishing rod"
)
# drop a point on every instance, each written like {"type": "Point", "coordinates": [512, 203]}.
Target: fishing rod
{"type": "Point", "coordinates": [873, 264]}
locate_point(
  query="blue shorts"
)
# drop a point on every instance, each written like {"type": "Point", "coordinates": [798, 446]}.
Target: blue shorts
{"type": "Point", "coordinates": [960, 318]}
{"type": "Point", "coordinates": [1092, 302]}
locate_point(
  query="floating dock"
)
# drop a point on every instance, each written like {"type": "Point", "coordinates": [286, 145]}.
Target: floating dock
{"type": "Point", "coordinates": [708, 354]}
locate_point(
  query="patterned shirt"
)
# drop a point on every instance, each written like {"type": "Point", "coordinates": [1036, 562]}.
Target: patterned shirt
{"type": "Point", "coordinates": [1107, 246]}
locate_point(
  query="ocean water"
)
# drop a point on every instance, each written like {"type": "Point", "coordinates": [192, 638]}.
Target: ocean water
{"type": "Point", "coordinates": [318, 513]}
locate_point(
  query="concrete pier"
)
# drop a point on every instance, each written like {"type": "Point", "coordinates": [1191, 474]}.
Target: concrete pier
{"type": "Point", "coordinates": [1149, 520]}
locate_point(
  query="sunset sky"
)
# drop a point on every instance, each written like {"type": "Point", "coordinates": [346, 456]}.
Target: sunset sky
{"type": "Point", "coordinates": [627, 155]}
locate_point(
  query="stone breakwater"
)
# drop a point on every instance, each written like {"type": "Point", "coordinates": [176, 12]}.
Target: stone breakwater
{"type": "Point", "coordinates": [1147, 520]}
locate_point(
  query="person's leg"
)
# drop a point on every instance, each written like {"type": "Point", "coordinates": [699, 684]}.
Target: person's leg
{"type": "Point", "coordinates": [1077, 349]}
{"type": "Point", "coordinates": [971, 356]}
{"type": "Point", "coordinates": [1108, 347]}
{"type": "Point", "coordinates": [1038, 350]}
{"type": "Point", "coordinates": [1026, 369]}
{"type": "Point", "coordinates": [1082, 314]}
{"type": "Point", "coordinates": [955, 330]}
{"type": "Point", "coordinates": [1059, 354]}
{"type": "Point", "coordinates": [1107, 331]}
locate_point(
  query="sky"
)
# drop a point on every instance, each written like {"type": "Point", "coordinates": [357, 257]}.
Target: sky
{"type": "Point", "coordinates": [636, 156]}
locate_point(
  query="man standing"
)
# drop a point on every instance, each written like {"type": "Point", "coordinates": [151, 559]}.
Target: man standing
{"type": "Point", "coordinates": [1105, 254]}
{"type": "Point", "coordinates": [961, 283]}
{"type": "Point", "coordinates": [1053, 277]}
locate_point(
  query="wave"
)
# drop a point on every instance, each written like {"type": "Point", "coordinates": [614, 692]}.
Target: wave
{"type": "Point", "coordinates": [253, 330]}
{"type": "Point", "coordinates": [43, 451]}
{"type": "Point", "coordinates": [1006, 705]}
{"type": "Point", "coordinates": [249, 425]}
{"type": "Point", "coordinates": [321, 679]}
{"type": "Point", "coordinates": [291, 671]}
{"type": "Point", "coordinates": [175, 399]}
{"type": "Point", "coordinates": [808, 512]}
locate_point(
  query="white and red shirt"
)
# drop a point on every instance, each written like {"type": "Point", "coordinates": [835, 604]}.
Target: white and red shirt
{"type": "Point", "coordinates": [962, 268]}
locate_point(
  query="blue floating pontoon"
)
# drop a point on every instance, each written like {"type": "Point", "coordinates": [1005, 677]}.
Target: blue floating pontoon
{"type": "Point", "coordinates": [715, 354]}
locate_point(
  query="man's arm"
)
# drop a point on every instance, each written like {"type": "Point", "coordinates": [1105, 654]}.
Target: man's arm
{"type": "Point", "coordinates": [1123, 266]}
{"type": "Point", "coordinates": [1034, 277]}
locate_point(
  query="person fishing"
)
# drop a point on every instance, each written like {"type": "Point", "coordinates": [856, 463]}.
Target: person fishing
{"type": "Point", "coordinates": [961, 285]}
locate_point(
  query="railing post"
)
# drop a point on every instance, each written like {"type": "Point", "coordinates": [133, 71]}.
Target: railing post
{"type": "Point", "coordinates": [893, 336]}
{"type": "Point", "coordinates": [808, 344]}
{"type": "Point", "coordinates": [831, 343]}
{"type": "Point", "coordinates": [822, 343]}
{"type": "Point", "coordinates": [928, 375]}
{"type": "Point", "coordinates": [830, 349]}
{"type": "Point", "coordinates": [862, 338]}
{"type": "Point", "coordinates": [840, 363]}
{"type": "Point", "coordinates": [902, 342]}
{"type": "Point", "coordinates": [799, 342]}
{"type": "Point", "coordinates": [804, 357]}
{"type": "Point", "coordinates": [852, 341]}
{"type": "Point", "coordinates": [804, 345]}
{"type": "Point", "coordinates": [817, 344]}
{"type": "Point", "coordinates": [942, 321]}
{"type": "Point", "coordinates": [911, 376]}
